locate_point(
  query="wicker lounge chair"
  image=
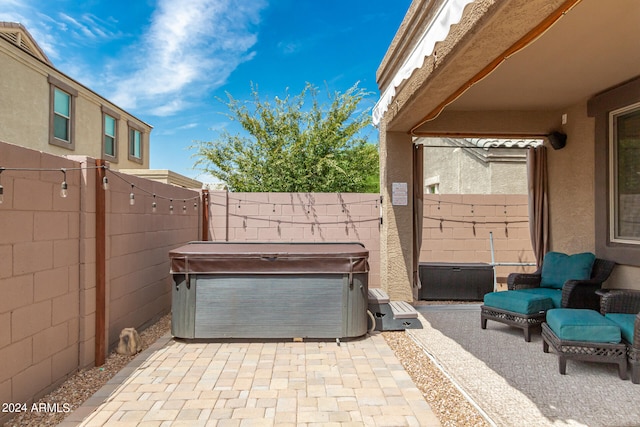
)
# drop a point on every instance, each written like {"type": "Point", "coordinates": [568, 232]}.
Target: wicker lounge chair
{"type": "Point", "coordinates": [574, 294]}
{"type": "Point", "coordinates": [623, 307]}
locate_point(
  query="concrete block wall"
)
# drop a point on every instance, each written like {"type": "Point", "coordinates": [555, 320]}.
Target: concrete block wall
{"type": "Point", "coordinates": [39, 274]}
{"type": "Point", "coordinates": [457, 228]}
{"type": "Point", "coordinates": [138, 244]}
{"type": "Point", "coordinates": [299, 217]}
{"type": "Point", "coordinates": [48, 264]}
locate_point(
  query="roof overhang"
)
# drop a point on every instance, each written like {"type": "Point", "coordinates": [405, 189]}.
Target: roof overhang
{"type": "Point", "coordinates": [509, 68]}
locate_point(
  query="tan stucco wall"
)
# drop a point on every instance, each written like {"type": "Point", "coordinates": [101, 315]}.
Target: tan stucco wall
{"type": "Point", "coordinates": [571, 185]}
{"type": "Point", "coordinates": [24, 107]}
{"type": "Point", "coordinates": [24, 111]}
{"type": "Point", "coordinates": [459, 171]}
{"type": "Point", "coordinates": [571, 195]}
{"type": "Point", "coordinates": [396, 250]}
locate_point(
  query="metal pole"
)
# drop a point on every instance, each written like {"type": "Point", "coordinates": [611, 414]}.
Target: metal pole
{"type": "Point", "coordinates": [493, 263]}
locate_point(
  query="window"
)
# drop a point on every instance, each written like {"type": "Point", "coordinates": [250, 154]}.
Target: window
{"type": "Point", "coordinates": [617, 162]}
{"type": "Point", "coordinates": [110, 134]}
{"type": "Point", "coordinates": [62, 105]}
{"type": "Point", "coordinates": [432, 185]}
{"type": "Point", "coordinates": [624, 180]}
{"type": "Point", "coordinates": [432, 189]}
{"type": "Point", "coordinates": [135, 142]}
{"type": "Point", "coordinates": [61, 115]}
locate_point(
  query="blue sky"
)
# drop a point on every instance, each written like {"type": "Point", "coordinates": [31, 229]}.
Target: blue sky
{"type": "Point", "coordinates": [167, 61]}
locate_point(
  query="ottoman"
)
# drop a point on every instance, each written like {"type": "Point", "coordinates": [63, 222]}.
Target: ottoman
{"type": "Point", "coordinates": [582, 334]}
{"type": "Point", "coordinates": [523, 310]}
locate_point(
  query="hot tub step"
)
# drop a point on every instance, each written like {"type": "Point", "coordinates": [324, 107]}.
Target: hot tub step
{"type": "Point", "coordinates": [392, 315]}
{"type": "Point", "coordinates": [403, 310]}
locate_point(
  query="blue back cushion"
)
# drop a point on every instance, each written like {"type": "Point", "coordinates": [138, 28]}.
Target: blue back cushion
{"type": "Point", "coordinates": [557, 268]}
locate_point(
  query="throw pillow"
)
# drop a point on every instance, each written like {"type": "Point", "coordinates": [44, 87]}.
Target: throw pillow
{"type": "Point", "coordinates": [557, 268]}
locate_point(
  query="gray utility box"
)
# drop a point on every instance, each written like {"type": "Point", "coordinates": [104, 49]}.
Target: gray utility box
{"type": "Point", "coordinates": [454, 281]}
{"type": "Point", "coordinates": [269, 290]}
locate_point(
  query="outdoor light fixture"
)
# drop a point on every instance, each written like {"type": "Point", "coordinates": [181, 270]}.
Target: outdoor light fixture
{"type": "Point", "coordinates": [154, 205]}
{"type": "Point", "coordinates": [184, 206]}
{"type": "Point", "coordinates": [557, 140]}
{"type": "Point", "coordinates": [171, 206]}
{"type": "Point", "coordinates": [63, 187]}
{"type": "Point", "coordinates": [195, 206]}
{"type": "Point", "coordinates": [132, 197]}
{"type": "Point", "coordinates": [105, 183]}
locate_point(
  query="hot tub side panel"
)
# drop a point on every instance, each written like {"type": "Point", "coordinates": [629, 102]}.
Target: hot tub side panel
{"type": "Point", "coordinates": [183, 307]}
{"type": "Point", "coordinates": [269, 306]}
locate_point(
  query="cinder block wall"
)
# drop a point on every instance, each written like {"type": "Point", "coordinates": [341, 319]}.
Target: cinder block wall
{"type": "Point", "coordinates": [39, 274]}
{"type": "Point", "coordinates": [299, 217]}
{"type": "Point", "coordinates": [137, 247]}
{"type": "Point", "coordinates": [457, 228]}
{"type": "Point", "coordinates": [48, 265]}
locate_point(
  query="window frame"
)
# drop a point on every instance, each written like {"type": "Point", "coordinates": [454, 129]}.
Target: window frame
{"type": "Point", "coordinates": [613, 175]}
{"type": "Point", "coordinates": [58, 84]}
{"type": "Point", "coordinates": [600, 107]}
{"type": "Point", "coordinates": [132, 128]}
{"type": "Point", "coordinates": [108, 112]}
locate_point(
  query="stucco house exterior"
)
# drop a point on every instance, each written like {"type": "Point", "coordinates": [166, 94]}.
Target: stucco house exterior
{"type": "Point", "coordinates": [525, 69]}
{"type": "Point", "coordinates": [46, 110]}
{"type": "Point", "coordinates": [474, 166]}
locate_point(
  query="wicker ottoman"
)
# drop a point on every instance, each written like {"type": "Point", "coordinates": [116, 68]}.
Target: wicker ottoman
{"type": "Point", "coordinates": [515, 308]}
{"type": "Point", "coordinates": [581, 334]}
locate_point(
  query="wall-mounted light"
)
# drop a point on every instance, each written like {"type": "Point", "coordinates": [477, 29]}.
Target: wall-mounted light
{"type": "Point", "coordinates": [557, 140]}
{"type": "Point", "coordinates": [171, 206]}
{"type": "Point", "coordinates": [154, 205]}
{"type": "Point", "coordinates": [105, 183]}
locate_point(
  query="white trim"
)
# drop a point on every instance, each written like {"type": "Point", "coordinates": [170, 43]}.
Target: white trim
{"type": "Point", "coordinates": [450, 13]}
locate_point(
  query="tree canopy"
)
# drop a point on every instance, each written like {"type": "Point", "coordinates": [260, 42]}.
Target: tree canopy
{"type": "Point", "coordinates": [295, 144]}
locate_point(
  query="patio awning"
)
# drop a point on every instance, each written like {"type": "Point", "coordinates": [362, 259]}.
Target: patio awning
{"type": "Point", "coordinates": [444, 16]}
{"type": "Point", "coordinates": [509, 69]}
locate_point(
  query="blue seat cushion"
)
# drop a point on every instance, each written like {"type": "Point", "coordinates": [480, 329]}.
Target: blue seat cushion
{"type": "Point", "coordinates": [519, 302]}
{"type": "Point", "coordinates": [557, 268]}
{"type": "Point", "coordinates": [554, 294]}
{"type": "Point", "coordinates": [626, 323]}
{"type": "Point", "coordinates": [578, 324]}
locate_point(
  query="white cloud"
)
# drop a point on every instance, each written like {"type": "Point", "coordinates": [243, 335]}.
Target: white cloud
{"type": "Point", "coordinates": [189, 48]}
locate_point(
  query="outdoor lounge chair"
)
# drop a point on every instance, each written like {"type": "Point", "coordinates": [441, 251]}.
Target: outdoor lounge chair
{"type": "Point", "coordinates": [563, 281]}
{"type": "Point", "coordinates": [623, 307]}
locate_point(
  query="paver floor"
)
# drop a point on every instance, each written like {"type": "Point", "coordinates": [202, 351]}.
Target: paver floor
{"type": "Point", "coordinates": [357, 383]}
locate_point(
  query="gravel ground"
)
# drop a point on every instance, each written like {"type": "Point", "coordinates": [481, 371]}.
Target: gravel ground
{"type": "Point", "coordinates": [451, 408]}
{"type": "Point", "coordinates": [82, 385]}
{"type": "Point", "coordinates": [446, 401]}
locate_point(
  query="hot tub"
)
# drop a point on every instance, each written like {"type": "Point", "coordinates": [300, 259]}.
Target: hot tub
{"type": "Point", "coordinates": [269, 290]}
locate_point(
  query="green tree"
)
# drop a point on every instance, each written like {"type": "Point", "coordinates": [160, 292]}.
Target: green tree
{"type": "Point", "coordinates": [292, 146]}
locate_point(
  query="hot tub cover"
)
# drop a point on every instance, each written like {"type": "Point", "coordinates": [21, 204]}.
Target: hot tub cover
{"type": "Point", "coordinates": [269, 258]}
